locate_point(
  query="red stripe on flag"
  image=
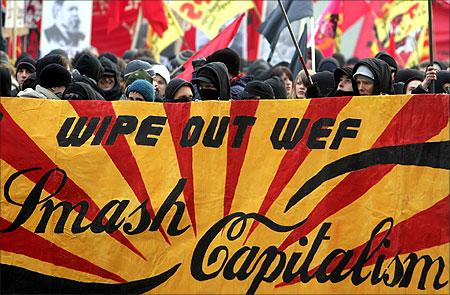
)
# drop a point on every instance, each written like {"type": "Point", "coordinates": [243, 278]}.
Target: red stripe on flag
{"type": "Point", "coordinates": [317, 108]}
{"type": "Point", "coordinates": [178, 114]}
{"type": "Point", "coordinates": [22, 241]}
{"type": "Point", "coordinates": [421, 118]}
{"type": "Point", "coordinates": [236, 156]}
{"type": "Point", "coordinates": [426, 229]}
{"type": "Point", "coordinates": [21, 152]}
{"type": "Point", "coordinates": [120, 152]}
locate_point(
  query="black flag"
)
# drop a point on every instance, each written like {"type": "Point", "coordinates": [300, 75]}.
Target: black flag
{"type": "Point", "coordinates": [274, 24]}
{"type": "Point", "coordinates": [296, 65]}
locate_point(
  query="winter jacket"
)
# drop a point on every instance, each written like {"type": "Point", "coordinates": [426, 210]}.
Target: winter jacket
{"type": "Point", "coordinates": [40, 92]}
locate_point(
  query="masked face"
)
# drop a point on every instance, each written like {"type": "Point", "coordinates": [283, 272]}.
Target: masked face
{"type": "Point", "coordinates": [208, 91]}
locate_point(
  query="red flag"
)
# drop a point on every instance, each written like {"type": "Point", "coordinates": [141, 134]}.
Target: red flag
{"type": "Point", "coordinates": [115, 12]}
{"type": "Point", "coordinates": [154, 12]}
{"type": "Point", "coordinates": [253, 36]}
{"type": "Point", "coordinates": [220, 41]}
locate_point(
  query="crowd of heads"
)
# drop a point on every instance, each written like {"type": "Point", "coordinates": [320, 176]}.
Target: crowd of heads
{"type": "Point", "coordinates": [223, 75]}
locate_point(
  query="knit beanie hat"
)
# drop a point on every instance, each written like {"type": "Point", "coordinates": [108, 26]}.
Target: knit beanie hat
{"type": "Point", "coordinates": [138, 75]}
{"type": "Point", "coordinates": [90, 66]}
{"type": "Point", "coordinates": [135, 65]}
{"type": "Point", "coordinates": [47, 60]}
{"type": "Point", "coordinates": [143, 87]}
{"type": "Point", "coordinates": [109, 55]}
{"type": "Point", "coordinates": [174, 85]}
{"type": "Point", "coordinates": [162, 71]}
{"type": "Point", "coordinates": [257, 88]}
{"type": "Point", "coordinates": [229, 57]}
{"type": "Point", "coordinates": [54, 75]}
{"type": "Point", "coordinates": [183, 56]}
{"type": "Point", "coordinates": [26, 63]}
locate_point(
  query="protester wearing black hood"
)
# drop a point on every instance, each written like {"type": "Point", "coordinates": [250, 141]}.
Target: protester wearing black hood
{"type": "Point", "coordinates": [179, 90]}
{"type": "Point", "coordinates": [278, 88]}
{"type": "Point", "coordinates": [80, 91]}
{"type": "Point", "coordinates": [343, 82]}
{"type": "Point", "coordinates": [323, 85]}
{"type": "Point", "coordinates": [89, 70]}
{"type": "Point", "coordinates": [393, 66]}
{"type": "Point", "coordinates": [110, 81]}
{"type": "Point", "coordinates": [212, 81]}
{"type": "Point", "coordinates": [232, 61]}
{"type": "Point", "coordinates": [443, 82]}
{"type": "Point", "coordinates": [372, 76]}
{"type": "Point", "coordinates": [53, 80]}
{"type": "Point", "coordinates": [257, 90]}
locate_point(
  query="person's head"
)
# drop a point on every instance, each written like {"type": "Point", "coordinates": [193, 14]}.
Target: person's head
{"type": "Point", "coordinates": [365, 80]}
{"type": "Point", "coordinates": [161, 79]}
{"type": "Point", "coordinates": [257, 90]}
{"type": "Point", "coordinates": [299, 89]}
{"type": "Point", "coordinates": [404, 75]}
{"type": "Point", "coordinates": [136, 65]}
{"type": "Point", "coordinates": [138, 75]}
{"type": "Point", "coordinates": [443, 82]}
{"type": "Point", "coordinates": [55, 78]}
{"type": "Point", "coordinates": [277, 86]}
{"type": "Point", "coordinates": [411, 84]}
{"type": "Point", "coordinates": [325, 82]}
{"type": "Point", "coordinates": [372, 76]}
{"type": "Point", "coordinates": [140, 90]}
{"type": "Point", "coordinates": [343, 79]}
{"type": "Point", "coordinates": [340, 58]}
{"type": "Point", "coordinates": [212, 81]}
{"type": "Point", "coordinates": [352, 61]}
{"type": "Point", "coordinates": [66, 15]}
{"type": "Point", "coordinates": [51, 59]}
{"type": "Point", "coordinates": [79, 91]}
{"type": "Point", "coordinates": [393, 66]}
{"type": "Point", "coordinates": [328, 64]}
{"type": "Point", "coordinates": [229, 57]}
{"type": "Point", "coordinates": [285, 74]}
{"type": "Point", "coordinates": [25, 67]}
{"type": "Point", "coordinates": [89, 66]}
{"type": "Point", "coordinates": [179, 90]}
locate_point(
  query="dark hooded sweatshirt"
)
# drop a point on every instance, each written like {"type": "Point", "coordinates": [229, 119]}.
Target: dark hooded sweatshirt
{"type": "Point", "coordinates": [217, 72]}
{"type": "Point", "coordinates": [81, 91]}
{"type": "Point", "coordinates": [89, 70]}
{"type": "Point", "coordinates": [382, 74]}
{"type": "Point", "coordinates": [111, 70]}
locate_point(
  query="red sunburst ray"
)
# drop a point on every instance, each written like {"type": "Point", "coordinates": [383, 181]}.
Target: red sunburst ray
{"type": "Point", "coordinates": [177, 115]}
{"type": "Point", "coordinates": [21, 152]}
{"type": "Point", "coordinates": [23, 242]}
{"type": "Point", "coordinates": [411, 235]}
{"type": "Point", "coordinates": [292, 160]}
{"type": "Point", "coordinates": [120, 153]}
{"type": "Point", "coordinates": [236, 156]}
{"type": "Point", "coordinates": [421, 118]}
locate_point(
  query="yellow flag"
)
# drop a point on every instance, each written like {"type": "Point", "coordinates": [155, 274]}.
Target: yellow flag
{"type": "Point", "coordinates": [208, 15]}
{"type": "Point", "coordinates": [406, 22]}
{"type": "Point", "coordinates": [173, 32]}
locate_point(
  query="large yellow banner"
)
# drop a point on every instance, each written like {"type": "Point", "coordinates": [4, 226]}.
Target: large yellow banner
{"type": "Point", "coordinates": [326, 196]}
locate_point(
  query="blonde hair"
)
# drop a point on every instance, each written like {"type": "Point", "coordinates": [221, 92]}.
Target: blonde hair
{"type": "Point", "coordinates": [301, 76]}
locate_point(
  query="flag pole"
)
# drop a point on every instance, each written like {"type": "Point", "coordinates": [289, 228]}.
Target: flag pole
{"type": "Point", "coordinates": [300, 56]}
{"type": "Point", "coordinates": [430, 36]}
{"type": "Point", "coordinates": [137, 29]}
{"type": "Point", "coordinates": [313, 45]}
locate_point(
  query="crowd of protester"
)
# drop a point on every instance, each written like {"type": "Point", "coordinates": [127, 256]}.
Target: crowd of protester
{"type": "Point", "coordinates": [221, 76]}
